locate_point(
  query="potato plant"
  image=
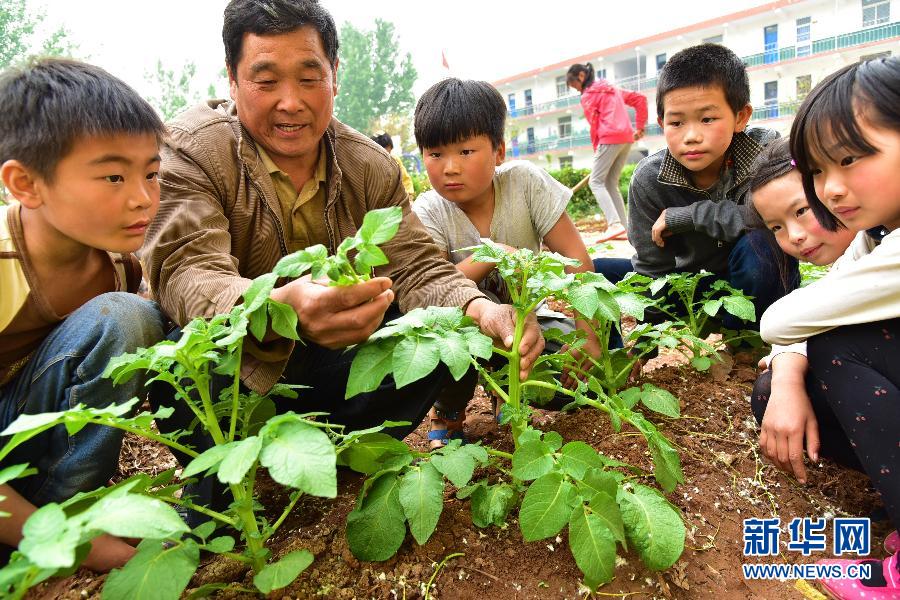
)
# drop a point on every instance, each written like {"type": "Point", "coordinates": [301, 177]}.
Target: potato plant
{"type": "Point", "coordinates": [246, 435]}
{"type": "Point", "coordinates": [698, 307]}
{"type": "Point", "coordinates": [555, 485]}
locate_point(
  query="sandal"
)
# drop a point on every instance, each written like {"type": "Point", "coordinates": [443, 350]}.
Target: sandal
{"type": "Point", "coordinates": [445, 426]}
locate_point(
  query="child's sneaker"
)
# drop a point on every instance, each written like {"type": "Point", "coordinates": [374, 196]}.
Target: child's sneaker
{"type": "Point", "coordinates": [884, 584]}
{"type": "Point", "coordinates": [445, 426]}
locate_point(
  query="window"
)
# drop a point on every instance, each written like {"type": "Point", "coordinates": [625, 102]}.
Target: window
{"type": "Point", "coordinates": [528, 109]}
{"type": "Point", "coordinates": [771, 93]}
{"type": "Point", "coordinates": [561, 88]}
{"type": "Point", "coordinates": [600, 74]}
{"type": "Point", "coordinates": [660, 61]}
{"type": "Point", "coordinates": [770, 44]}
{"type": "Point", "coordinates": [804, 84]}
{"type": "Point", "coordinates": [565, 162]}
{"type": "Point", "coordinates": [803, 36]}
{"type": "Point", "coordinates": [512, 105]}
{"type": "Point", "coordinates": [716, 39]}
{"type": "Point", "coordinates": [529, 133]}
{"type": "Point", "coordinates": [565, 127]}
{"type": "Point", "coordinates": [875, 12]}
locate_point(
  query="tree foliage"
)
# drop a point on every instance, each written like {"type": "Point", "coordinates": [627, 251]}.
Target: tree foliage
{"type": "Point", "coordinates": [175, 89]}
{"type": "Point", "coordinates": [18, 39]}
{"type": "Point", "coordinates": [374, 78]}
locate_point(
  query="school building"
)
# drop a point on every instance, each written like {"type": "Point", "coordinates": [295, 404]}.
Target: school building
{"type": "Point", "coordinates": [787, 45]}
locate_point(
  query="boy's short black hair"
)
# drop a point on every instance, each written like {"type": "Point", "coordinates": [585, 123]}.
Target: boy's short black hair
{"type": "Point", "coordinates": [50, 103]}
{"type": "Point", "coordinates": [705, 65]}
{"type": "Point", "coordinates": [453, 110]}
{"type": "Point", "coordinates": [383, 140]}
{"type": "Point", "coordinates": [272, 17]}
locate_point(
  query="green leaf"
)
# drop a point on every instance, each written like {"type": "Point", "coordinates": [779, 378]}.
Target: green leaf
{"type": "Point", "coordinates": [608, 308]}
{"type": "Point", "coordinates": [554, 440]}
{"type": "Point", "coordinates": [632, 304]}
{"type": "Point", "coordinates": [300, 456]}
{"type": "Point", "coordinates": [368, 453]}
{"type": "Point", "coordinates": [653, 528]}
{"type": "Point", "coordinates": [605, 508]}
{"type": "Point", "coordinates": [455, 354]}
{"type": "Point", "coordinates": [456, 464]}
{"type": "Point", "coordinates": [284, 320]}
{"type": "Point", "coordinates": [666, 462]}
{"type": "Point", "coordinates": [576, 458]}
{"type": "Point", "coordinates": [259, 291]}
{"type": "Point", "coordinates": [701, 363]}
{"type": "Point", "coordinates": [740, 307]}
{"type": "Point", "coordinates": [208, 459]}
{"type": "Point", "coordinates": [133, 515]}
{"type": "Point", "coordinates": [711, 307]}
{"type": "Point", "coordinates": [48, 540]}
{"type": "Point", "coordinates": [414, 358]}
{"type": "Point", "coordinates": [546, 507]}
{"type": "Point", "coordinates": [154, 573]}
{"type": "Point", "coordinates": [279, 574]}
{"type": "Point", "coordinates": [422, 499]}
{"type": "Point", "coordinates": [583, 298]}
{"type": "Point", "coordinates": [532, 460]}
{"type": "Point", "coordinates": [376, 531]}
{"type": "Point", "coordinates": [296, 264]}
{"type": "Point", "coordinates": [597, 481]}
{"type": "Point", "coordinates": [241, 456]}
{"type": "Point", "coordinates": [660, 400]}
{"type": "Point", "coordinates": [224, 543]}
{"type": "Point", "coordinates": [630, 397]}
{"type": "Point", "coordinates": [593, 547]}
{"type": "Point", "coordinates": [372, 363]}
{"type": "Point", "coordinates": [480, 345]}
{"type": "Point", "coordinates": [491, 504]}
{"type": "Point", "coordinates": [381, 225]}
{"type": "Point", "coordinates": [15, 471]}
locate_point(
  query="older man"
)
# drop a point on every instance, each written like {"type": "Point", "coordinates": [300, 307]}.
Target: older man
{"type": "Point", "coordinates": [246, 182]}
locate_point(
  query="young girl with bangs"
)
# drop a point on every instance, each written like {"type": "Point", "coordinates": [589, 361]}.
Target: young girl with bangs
{"type": "Point", "coordinates": [845, 141]}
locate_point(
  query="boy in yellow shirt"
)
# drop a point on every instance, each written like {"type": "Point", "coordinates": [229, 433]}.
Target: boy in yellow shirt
{"type": "Point", "coordinates": [79, 153]}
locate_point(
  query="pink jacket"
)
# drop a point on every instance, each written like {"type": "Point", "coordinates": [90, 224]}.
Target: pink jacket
{"type": "Point", "coordinates": [604, 109]}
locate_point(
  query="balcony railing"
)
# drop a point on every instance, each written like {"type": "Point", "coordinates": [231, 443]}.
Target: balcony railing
{"type": "Point", "coordinates": [776, 111]}
{"type": "Point", "coordinates": [639, 83]}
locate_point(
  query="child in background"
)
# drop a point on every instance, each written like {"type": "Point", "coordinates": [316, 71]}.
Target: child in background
{"type": "Point", "coordinates": [79, 152]}
{"type": "Point", "coordinates": [459, 128]}
{"type": "Point", "coordinates": [385, 141]}
{"type": "Point", "coordinates": [846, 143]}
{"type": "Point", "coordinates": [611, 137]}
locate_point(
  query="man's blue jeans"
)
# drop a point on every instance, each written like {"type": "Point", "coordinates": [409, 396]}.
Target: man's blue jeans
{"type": "Point", "coordinates": [66, 370]}
{"type": "Point", "coordinates": [755, 266]}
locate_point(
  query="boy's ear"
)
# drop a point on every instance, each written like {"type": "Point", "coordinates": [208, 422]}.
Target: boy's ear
{"type": "Point", "coordinates": [21, 182]}
{"type": "Point", "coordinates": [232, 82]}
{"type": "Point", "coordinates": [659, 122]}
{"type": "Point", "coordinates": [501, 153]}
{"type": "Point", "coordinates": [742, 118]}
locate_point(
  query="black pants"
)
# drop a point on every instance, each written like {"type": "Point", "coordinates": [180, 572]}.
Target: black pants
{"type": "Point", "coordinates": [854, 385]}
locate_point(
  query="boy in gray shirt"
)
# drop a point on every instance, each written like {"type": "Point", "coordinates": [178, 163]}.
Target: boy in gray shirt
{"type": "Point", "coordinates": [459, 129]}
{"type": "Point", "coordinates": [689, 202]}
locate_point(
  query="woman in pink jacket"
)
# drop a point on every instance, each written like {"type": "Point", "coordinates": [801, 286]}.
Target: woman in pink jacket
{"type": "Point", "coordinates": [611, 136]}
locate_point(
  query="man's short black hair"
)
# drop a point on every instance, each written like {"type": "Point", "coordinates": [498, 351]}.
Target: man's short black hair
{"type": "Point", "coordinates": [383, 140]}
{"type": "Point", "coordinates": [50, 103]}
{"type": "Point", "coordinates": [705, 66]}
{"type": "Point", "coordinates": [453, 110]}
{"type": "Point", "coordinates": [272, 17]}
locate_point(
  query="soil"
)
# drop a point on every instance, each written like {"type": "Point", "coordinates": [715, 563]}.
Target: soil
{"type": "Point", "coordinates": [727, 481]}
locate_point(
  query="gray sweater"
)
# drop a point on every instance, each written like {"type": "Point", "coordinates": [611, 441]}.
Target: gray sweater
{"type": "Point", "coordinates": [705, 224]}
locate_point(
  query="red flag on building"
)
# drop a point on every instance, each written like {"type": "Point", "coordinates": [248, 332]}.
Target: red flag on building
{"type": "Point", "coordinates": [444, 60]}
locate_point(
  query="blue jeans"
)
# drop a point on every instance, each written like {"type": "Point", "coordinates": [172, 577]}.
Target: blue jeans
{"type": "Point", "coordinates": [614, 269]}
{"type": "Point", "coordinates": [755, 266]}
{"type": "Point", "coordinates": [66, 370]}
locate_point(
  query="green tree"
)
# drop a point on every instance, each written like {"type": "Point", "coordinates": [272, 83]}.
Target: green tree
{"type": "Point", "coordinates": [175, 89]}
{"type": "Point", "coordinates": [375, 80]}
{"type": "Point", "coordinates": [18, 40]}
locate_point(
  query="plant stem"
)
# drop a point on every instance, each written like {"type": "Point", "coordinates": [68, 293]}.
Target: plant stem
{"type": "Point", "coordinates": [500, 453]}
{"type": "Point", "coordinates": [201, 509]}
{"type": "Point", "coordinates": [285, 512]}
{"type": "Point", "coordinates": [235, 392]}
{"type": "Point", "coordinates": [515, 394]}
{"type": "Point", "coordinates": [493, 384]}
{"type": "Point", "coordinates": [438, 570]}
